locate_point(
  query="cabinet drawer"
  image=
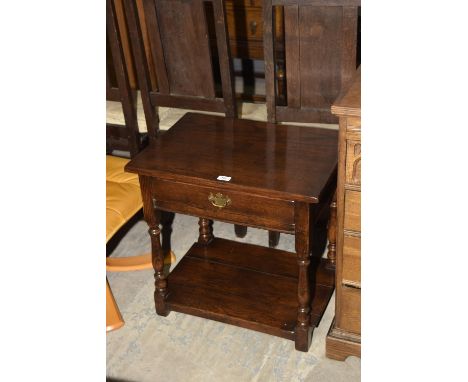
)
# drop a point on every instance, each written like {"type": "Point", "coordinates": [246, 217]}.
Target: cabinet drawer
{"type": "Point", "coordinates": [241, 208]}
{"type": "Point", "coordinates": [351, 269]}
{"type": "Point", "coordinates": [352, 212]}
{"type": "Point", "coordinates": [349, 316]}
{"type": "Point", "coordinates": [353, 162]}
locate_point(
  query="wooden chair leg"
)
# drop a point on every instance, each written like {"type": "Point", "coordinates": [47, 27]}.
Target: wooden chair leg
{"type": "Point", "coordinates": [205, 231]}
{"type": "Point", "coordinates": [241, 230]}
{"type": "Point", "coordinates": [303, 330]}
{"type": "Point", "coordinates": [331, 254]}
{"type": "Point", "coordinates": [273, 238]}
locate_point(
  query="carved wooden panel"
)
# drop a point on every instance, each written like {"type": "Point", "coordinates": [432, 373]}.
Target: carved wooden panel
{"type": "Point", "coordinates": [353, 162]}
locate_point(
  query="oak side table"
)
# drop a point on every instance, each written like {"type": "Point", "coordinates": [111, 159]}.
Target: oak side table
{"type": "Point", "coordinates": [250, 173]}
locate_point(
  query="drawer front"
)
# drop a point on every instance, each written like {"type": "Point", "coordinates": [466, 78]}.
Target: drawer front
{"type": "Point", "coordinates": [353, 162]}
{"type": "Point", "coordinates": [240, 208]}
{"type": "Point", "coordinates": [349, 316]}
{"type": "Point", "coordinates": [351, 269]}
{"type": "Point", "coordinates": [352, 211]}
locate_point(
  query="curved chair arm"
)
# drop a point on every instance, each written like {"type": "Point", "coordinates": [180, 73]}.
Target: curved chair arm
{"type": "Point", "coordinates": [114, 318]}
{"type": "Point", "coordinates": [134, 263]}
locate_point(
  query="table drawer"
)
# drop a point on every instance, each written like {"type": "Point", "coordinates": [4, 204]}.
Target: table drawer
{"type": "Point", "coordinates": [233, 206]}
{"type": "Point", "coordinates": [351, 269]}
{"type": "Point", "coordinates": [349, 316]}
{"type": "Point", "coordinates": [352, 211]}
{"type": "Point", "coordinates": [353, 162]}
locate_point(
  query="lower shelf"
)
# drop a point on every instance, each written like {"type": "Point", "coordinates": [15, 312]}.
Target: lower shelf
{"type": "Point", "coordinates": [246, 285]}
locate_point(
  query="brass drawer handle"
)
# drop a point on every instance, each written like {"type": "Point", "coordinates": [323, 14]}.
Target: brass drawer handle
{"type": "Point", "coordinates": [219, 200]}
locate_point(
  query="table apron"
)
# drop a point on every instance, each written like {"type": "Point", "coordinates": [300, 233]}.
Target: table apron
{"type": "Point", "coordinates": [241, 208]}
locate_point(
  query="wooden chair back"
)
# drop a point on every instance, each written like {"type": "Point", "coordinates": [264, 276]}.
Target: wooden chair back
{"type": "Point", "coordinates": [120, 137]}
{"type": "Point", "coordinates": [320, 44]}
{"type": "Point", "coordinates": [184, 58]}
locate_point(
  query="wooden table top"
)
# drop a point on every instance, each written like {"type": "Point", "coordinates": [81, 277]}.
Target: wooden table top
{"type": "Point", "coordinates": [279, 161]}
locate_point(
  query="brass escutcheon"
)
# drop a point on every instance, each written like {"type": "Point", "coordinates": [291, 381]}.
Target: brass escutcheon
{"type": "Point", "coordinates": [219, 200]}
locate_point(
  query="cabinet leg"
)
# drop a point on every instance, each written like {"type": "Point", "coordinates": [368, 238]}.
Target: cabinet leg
{"type": "Point", "coordinates": [160, 291]}
{"type": "Point", "coordinates": [273, 239]}
{"type": "Point", "coordinates": [303, 330]}
{"type": "Point", "coordinates": [152, 217]}
{"type": "Point", "coordinates": [240, 230]}
{"type": "Point", "coordinates": [331, 254]}
{"type": "Point", "coordinates": [206, 231]}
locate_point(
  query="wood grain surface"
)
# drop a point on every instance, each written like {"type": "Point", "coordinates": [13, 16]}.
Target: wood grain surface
{"type": "Point", "coordinates": [285, 162]}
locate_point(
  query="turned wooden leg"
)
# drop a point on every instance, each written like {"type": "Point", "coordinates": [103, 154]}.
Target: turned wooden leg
{"type": "Point", "coordinates": [166, 222]}
{"type": "Point", "coordinates": [273, 239]}
{"type": "Point", "coordinates": [158, 265]}
{"type": "Point", "coordinates": [206, 231]}
{"type": "Point", "coordinates": [331, 254]}
{"type": "Point", "coordinates": [240, 230]}
{"type": "Point", "coordinates": [303, 329]}
{"type": "Point", "coordinates": [152, 217]}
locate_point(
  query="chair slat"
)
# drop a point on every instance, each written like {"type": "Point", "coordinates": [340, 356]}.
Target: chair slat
{"type": "Point", "coordinates": [293, 70]}
{"type": "Point", "coordinates": [123, 93]}
{"type": "Point", "coordinates": [181, 51]}
{"type": "Point", "coordinates": [320, 44]}
{"type": "Point", "coordinates": [131, 263]}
